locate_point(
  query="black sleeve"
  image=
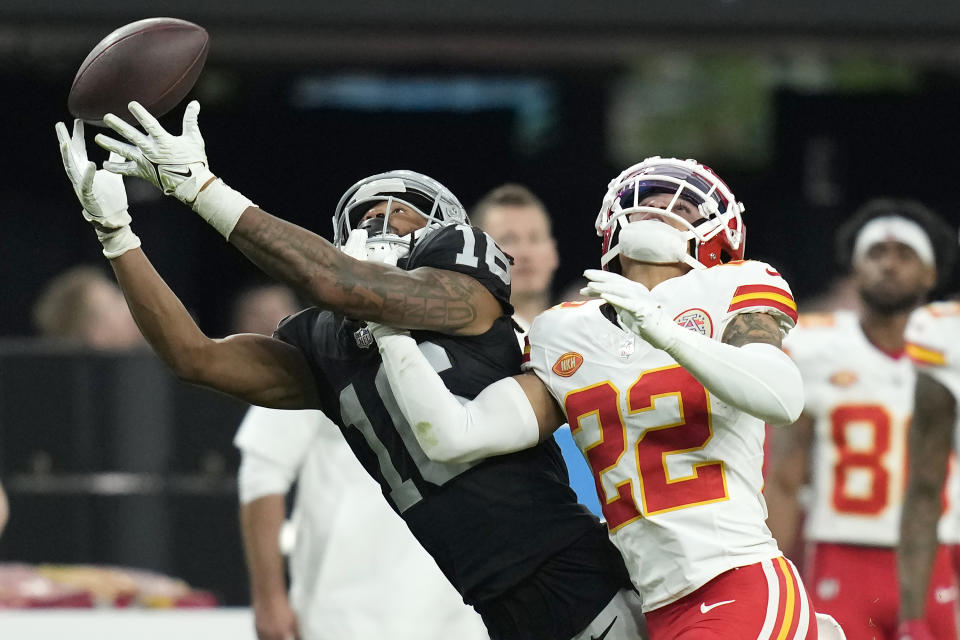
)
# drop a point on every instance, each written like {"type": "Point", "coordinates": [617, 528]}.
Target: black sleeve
{"type": "Point", "coordinates": [295, 329]}
{"type": "Point", "coordinates": [470, 251]}
{"type": "Point", "coordinates": [305, 331]}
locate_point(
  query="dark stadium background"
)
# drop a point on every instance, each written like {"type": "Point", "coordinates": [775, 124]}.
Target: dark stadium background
{"type": "Point", "coordinates": [825, 150]}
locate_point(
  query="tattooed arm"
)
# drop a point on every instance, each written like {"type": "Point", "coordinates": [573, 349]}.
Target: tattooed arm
{"type": "Point", "coordinates": [748, 328]}
{"type": "Point", "coordinates": [423, 298]}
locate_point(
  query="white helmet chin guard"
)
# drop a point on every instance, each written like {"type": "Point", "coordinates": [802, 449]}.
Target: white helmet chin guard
{"type": "Point", "coordinates": [424, 195]}
{"type": "Point", "coordinates": [716, 237]}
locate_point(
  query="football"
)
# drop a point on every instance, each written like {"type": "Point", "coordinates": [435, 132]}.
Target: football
{"type": "Point", "coordinates": [154, 61]}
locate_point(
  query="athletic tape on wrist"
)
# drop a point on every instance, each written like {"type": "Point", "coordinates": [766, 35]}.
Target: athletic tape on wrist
{"type": "Point", "coordinates": [221, 206]}
{"type": "Point", "coordinates": [117, 242]}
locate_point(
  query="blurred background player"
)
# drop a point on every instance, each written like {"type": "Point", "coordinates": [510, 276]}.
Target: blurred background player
{"type": "Point", "coordinates": [933, 343]}
{"type": "Point", "coordinates": [355, 569]}
{"type": "Point", "coordinates": [258, 308]}
{"type": "Point", "coordinates": [83, 306]}
{"type": "Point", "coordinates": [850, 442]}
{"type": "Point", "coordinates": [519, 223]}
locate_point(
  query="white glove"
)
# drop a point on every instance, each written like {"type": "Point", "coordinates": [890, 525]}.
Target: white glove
{"type": "Point", "coordinates": [175, 164]}
{"type": "Point", "coordinates": [359, 247]}
{"type": "Point", "coordinates": [638, 310]}
{"type": "Point", "coordinates": [101, 193]}
{"type": "Point", "coordinates": [356, 248]}
{"type": "Point", "coordinates": [356, 245]}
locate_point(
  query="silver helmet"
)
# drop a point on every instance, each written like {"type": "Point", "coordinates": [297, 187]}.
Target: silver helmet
{"type": "Point", "coordinates": [424, 195]}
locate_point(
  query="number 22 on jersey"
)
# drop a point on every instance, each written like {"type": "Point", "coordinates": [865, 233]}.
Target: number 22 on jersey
{"type": "Point", "coordinates": [658, 396]}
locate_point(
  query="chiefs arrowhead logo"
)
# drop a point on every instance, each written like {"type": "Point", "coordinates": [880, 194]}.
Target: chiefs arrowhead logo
{"type": "Point", "coordinates": [567, 364]}
{"type": "Point", "coordinates": [696, 320]}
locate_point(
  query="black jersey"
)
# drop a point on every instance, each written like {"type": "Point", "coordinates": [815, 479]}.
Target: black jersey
{"type": "Point", "coordinates": [488, 524]}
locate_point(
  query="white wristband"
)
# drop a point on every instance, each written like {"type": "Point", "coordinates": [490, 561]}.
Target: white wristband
{"type": "Point", "coordinates": [117, 242]}
{"type": "Point", "coordinates": [221, 206]}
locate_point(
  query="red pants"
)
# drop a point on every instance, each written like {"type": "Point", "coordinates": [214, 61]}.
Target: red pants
{"type": "Point", "coordinates": [857, 585]}
{"type": "Point", "coordinates": [763, 600]}
{"type": "Point", "coordinates": [955, 557]}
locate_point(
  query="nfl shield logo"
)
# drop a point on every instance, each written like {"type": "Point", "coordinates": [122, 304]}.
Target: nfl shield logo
{"type": "Point", "coordinates": [363, 337]}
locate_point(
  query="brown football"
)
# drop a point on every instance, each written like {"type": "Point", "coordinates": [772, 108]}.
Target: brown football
{"type": "Point", "coordinates": [154, 61]}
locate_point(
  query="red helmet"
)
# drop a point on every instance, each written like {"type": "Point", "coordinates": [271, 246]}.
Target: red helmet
{"type": "Point", "coordinates": [717, 237]}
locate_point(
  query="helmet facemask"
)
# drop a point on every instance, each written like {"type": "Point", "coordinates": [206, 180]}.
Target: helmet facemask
{"type": "Point", "coordinates": [715, 237]}
{"type": "Point", "coordinates": [416, 192]}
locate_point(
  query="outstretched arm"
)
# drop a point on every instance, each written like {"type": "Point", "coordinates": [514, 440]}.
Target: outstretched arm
{"type": "Point", "coordinates": [425, 298]}
{"type": "Point", "coordinates": [930, 443]}
{"type": "Point", "coordinates": [420, 299]}
{"type": "Point", "coordinates": [256, 369]}
{"type": "Point", "coordinates": [509, 415]}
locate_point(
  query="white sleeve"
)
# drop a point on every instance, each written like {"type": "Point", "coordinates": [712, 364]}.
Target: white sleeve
{"type": "Point", "coordinates": [499, 420]}
{"type": "Point", "coordinates": [281, 435]}
{"type": "Point", "coordinates": [259, 476]}
{"type": "Point", "coordinates": [274, 444]}
{"type": "Point", "coordinates": [759, 379]}
{"type": "Point", "coordinates": [932, 345]}
{"type": "Point", "coordinates": [759, 288]}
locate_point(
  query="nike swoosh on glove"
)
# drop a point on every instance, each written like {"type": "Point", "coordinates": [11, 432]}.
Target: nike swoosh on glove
{"type": "Point", "coordinates": [175, 164]}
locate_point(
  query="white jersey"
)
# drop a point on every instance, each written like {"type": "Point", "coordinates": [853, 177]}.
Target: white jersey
{"type": "Point", "coordinates": [356, 571]}
{"type": "Point", "coordinates": [861, 402]}
{"type": "Point", "coordinates": [677, 470]}
{"type": "Point", "coordinates": [933, 343]}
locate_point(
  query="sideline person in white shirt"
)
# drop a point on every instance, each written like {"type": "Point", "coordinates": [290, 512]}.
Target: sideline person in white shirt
{"type": "Point", "coordinates": [356, 571]}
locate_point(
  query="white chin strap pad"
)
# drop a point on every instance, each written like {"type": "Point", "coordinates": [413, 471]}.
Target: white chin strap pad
{"type": "Point", "coordinates": [653, 241]}
{"type": "Point", "coordinates": [385, 252]}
